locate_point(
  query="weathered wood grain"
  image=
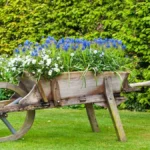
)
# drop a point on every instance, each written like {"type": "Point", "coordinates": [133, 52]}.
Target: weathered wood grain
{"type": "Point", "coordinates": [29, 119]}
{"type": "Point", "coordinates": [75, 86]}
{"type": "Point", "coordinates": [140, 84]}
{"type": "Point", "coordinates": [56, 92]}
{"type": "Point", "coordinates": [92, 117]}
{"type": "Point", "coordinates": [19, 107]}
{"type": "Point", "coordinates": [113, 109]}
{"type": "Point", "coordinates": [33, 97]}
{"type": "Point", "coordinates": [43, 95]}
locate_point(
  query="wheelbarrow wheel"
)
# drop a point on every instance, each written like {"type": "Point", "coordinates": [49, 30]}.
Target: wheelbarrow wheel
{"type": "Point", "coordinates": [14, 129]}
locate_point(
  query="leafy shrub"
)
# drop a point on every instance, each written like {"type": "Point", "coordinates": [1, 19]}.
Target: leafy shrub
{"type": "Point", "coordinates": [127, 20]}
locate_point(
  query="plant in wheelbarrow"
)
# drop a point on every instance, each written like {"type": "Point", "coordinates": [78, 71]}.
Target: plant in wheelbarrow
{"type": "Point", "coordinates": [50, 58]}
{"type": "Point", "coordinates": [65, 72]}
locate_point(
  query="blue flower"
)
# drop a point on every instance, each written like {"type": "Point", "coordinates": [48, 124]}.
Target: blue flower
{"type": "Point", "coordinates": [119, 42]}
{"type": "Point", "coordinates": [74, 47]}
{"type": "Point", "coordinates": [36, 44]}
{"type": "Point", "coordinates": [123, 47]}
{"type": "Point", "coordinates": [39, 48]}
{"type": "Point", "coordinates": [88, 44]}
{"type": "Point", "coordinates": [26, 43]}
{"type": "Point", "coordinates": [34, 53]}
{"type": "Point", "coordinates": [84, 43]}
{"type": "Point", "coordinates": [78, 41]}
{"type": "Point", "coordinates": [42, 45]}
{"type": "Point", "coordinates": [114, 44]}
{"type": "Point", "coordinates": [61, 41]}
{"type": "Point", "coordinates": [99, 41]}
{"type": "Point", "coordinates": [50, 38]}
{"type": "Point", "coordinates": [23, 49]}
{"type": "Point", "coordinates": [83, 47]}
{"type": "Point", "coordinates": [17, 51]}
{"type": "Point", "coordinates": [47, 41]}
{"type": "Point", "coordinates": [66, 46]}
{"type": "Point", "coordinates": [108, 45]}
{"type": "Point", "coordinates": [58, 45]}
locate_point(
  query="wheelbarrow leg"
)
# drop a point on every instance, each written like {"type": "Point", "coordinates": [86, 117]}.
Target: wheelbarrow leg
{"type": "Point", "coordinates": [91, 117]}
{"type": "Point", "coordinates": [113, 110]}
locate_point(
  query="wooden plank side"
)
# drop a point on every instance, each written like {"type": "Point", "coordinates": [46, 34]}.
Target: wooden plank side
{"type": "Point", "coordinates": [75, 86]}
{"type": "Point", "coordinates": [113, 110]}
{"type": "Point", "coordinates": [92, 117]}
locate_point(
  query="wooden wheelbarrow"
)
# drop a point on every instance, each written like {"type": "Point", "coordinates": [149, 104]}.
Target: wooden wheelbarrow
{"type": "Point", "coordinates": [67, 89]}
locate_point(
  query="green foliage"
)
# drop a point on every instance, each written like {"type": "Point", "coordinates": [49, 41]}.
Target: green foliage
{"type": "Point", "coordinates": [126, 20]}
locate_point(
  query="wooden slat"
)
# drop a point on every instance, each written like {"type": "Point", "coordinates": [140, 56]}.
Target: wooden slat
{"type": "Point", "coordinates": [113, 110]}
{"type": "Point", "coordinates": [99, 99]}
{"type": "Point", "coordinates": [88, 99]}
{"type": "Point", "coordinates": [42, 92]}
{"type": "Point", "coordinates": [19, 107]}
{"type": "Point", "coordinates": [75, 86]}
{"type": "Point", "coordinates": [92, 117]}
{"type": "Point", "coordinates": [55, 93]}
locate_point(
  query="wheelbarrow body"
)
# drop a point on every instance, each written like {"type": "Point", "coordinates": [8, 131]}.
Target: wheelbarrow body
{"type": "Point", "coordinates": [67, 89]}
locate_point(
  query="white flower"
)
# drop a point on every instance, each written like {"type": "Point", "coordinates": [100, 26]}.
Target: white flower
{"type": "Point", "coordinates": [28, 61]}
{"type": "Point", "coordinates": [45, 57]}
{"type": "Point", "coordinates": [58, 58]}
{"type": "Point", "coordinates": [27, 57]}
{"type": "Point", "coordinates": [95, 52]}
{"type": "Point", "coordinates": [61, 67]}
{"type": "Point", "coordinates": [50, 72]}
{"type": "Point", "coordinates": [41, 62]}
{"type": "Point", "coordinates": [13, 69]}
{"type": "Point", "coordinates": [72, 54]}
{"type": "Point", "coordinates": [57, 69]}
{"type": "Point", "coordinates": [56, 65]}
{"type": "Point", "coordinates": [39, 70]}
{"type": "Point", "coordinates": [48, 62]}
{"type": "Point", "coordinates": [101, 55]}
{"type": "Point", "coordinates": [34, 61]}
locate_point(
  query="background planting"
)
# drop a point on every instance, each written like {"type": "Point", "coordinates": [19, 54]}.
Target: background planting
{"type": "Point", "coordinates": [126, 20]}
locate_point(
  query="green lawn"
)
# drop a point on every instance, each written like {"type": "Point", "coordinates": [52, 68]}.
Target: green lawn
{"type": "Point", "coordinates": [69, 129]}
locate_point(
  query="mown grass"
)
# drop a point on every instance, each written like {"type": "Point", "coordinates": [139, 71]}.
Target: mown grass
{"type": "Point", "coordinates": [68, 129]}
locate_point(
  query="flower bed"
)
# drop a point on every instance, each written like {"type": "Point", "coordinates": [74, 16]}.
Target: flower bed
{"type": "Point", "coordinates": [49, 58]}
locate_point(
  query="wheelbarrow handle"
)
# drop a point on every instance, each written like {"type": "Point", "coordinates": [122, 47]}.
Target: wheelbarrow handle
{"type": "Point", "coordinates": [146, 83]}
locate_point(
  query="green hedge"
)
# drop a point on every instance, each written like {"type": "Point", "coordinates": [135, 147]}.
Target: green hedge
{"type": "Point", "coordinates": [126, 20]}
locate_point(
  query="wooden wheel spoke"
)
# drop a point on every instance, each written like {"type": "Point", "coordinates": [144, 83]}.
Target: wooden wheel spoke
{"type": "Point", "coordinates": [9, 126]}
